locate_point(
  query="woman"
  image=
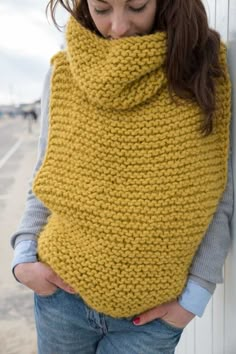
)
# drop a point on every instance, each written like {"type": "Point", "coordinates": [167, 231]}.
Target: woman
{"type": "Point", "coordinates": [126, 231]}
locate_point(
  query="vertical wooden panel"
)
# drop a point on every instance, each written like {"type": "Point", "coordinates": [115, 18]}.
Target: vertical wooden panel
{"type": "Point", "coordinates": [210, 6]}
{"type": "Point", "coordinates": [190, 338]}
{"type": "Point", "coordinates": [222, 11]}
{"type": "Point", "coordinates": [218, 317]}
{"type": "Point", "coordinates": [187, 342]}
{"type": "Point", "coordinates": [204, 332]}
{"type": "Point", "coordinates": [180, 349]}
{"type": "Point", "coordinates": [230, 267]}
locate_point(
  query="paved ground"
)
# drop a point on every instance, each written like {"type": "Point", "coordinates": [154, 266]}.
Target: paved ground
{"type": "Point", "coordinates": [18, 149]}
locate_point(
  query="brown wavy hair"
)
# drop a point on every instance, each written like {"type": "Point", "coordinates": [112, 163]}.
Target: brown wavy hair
{"type": "Point", "coordinates": [192, 63]}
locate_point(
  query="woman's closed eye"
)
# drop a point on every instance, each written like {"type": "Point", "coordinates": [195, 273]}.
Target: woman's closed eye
{"type": "Point", "coordinates": [133, 9]}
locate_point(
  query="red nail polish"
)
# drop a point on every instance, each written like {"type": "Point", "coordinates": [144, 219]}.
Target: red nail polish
{"type": "Point", "coordinates": [136, 320]}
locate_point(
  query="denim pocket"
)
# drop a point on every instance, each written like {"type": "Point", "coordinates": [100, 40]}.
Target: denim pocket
{"type": "Point", "coordinates": [56, 292]}
{"type": "Point", "coordinates": [170, 326]}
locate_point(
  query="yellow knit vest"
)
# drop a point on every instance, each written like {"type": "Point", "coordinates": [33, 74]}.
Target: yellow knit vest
{"type": "Point", "coordinates": [131, 183]}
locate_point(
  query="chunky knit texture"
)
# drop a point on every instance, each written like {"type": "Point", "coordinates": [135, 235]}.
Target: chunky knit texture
{"type": "Point", "coordinates": [131, 182]}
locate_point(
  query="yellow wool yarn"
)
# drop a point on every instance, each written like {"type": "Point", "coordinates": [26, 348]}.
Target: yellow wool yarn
{"type": "Point", "coordinates": [131, 183]}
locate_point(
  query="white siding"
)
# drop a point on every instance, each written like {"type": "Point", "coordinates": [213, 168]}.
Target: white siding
{"type": "Point", "coordinates": [215, 332]}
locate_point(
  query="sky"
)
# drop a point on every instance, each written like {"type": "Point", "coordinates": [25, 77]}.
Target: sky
{"type": "Point", "coordinates": [27, 42]}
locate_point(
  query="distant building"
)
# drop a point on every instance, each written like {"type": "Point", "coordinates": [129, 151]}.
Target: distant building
{"type": "Point", "coordinates": [23, 110]}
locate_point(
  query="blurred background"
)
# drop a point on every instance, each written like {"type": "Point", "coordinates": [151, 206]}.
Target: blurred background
{"type": "Point", "coordinates": [27, 42]}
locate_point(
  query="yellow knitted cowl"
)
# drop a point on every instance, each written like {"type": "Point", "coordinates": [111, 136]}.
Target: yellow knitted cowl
{"type": "Point", "coordinates": [131, 183]}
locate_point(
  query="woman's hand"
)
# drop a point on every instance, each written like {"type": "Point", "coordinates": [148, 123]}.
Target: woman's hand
{"type": "Point", "coordinates": [40, 278]}
{"type": "Point", "coordinates": [170, 312]}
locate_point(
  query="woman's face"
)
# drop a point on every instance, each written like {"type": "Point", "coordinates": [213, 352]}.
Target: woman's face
{"type": "Point", "coordinates": [123, 18]}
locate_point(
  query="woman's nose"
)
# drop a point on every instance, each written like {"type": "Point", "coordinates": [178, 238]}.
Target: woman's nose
{"type": "Point", "coordinates": [119, 27]}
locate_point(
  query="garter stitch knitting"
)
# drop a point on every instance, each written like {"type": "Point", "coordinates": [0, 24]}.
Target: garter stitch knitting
{"type": "Point", "coordinates": [131, 183]}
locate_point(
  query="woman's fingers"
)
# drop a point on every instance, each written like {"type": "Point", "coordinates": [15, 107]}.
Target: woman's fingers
{"type": "Point", "coordinates": [171, 312]}
{"type": "Point", "coordinates": [54, 279]}
{"type": "Point", "coordinates": [149, 315]}
{"type": "Point", "coordinates": [40, 278]}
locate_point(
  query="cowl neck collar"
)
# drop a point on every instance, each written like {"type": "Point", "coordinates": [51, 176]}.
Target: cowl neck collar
{"type": "Point", "coordinates": [116, 73]}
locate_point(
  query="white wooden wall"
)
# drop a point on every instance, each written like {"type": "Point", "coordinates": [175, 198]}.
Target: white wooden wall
{"type": "Point", "coordinates": [215, 332]}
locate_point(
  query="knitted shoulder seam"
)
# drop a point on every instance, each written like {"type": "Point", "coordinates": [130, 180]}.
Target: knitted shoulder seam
{"type": "Point", "coordinates": [58, 57]}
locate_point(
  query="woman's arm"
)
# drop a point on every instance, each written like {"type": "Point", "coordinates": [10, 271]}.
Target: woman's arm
{"type": "Point", "coordinates": [35, 275]}
{"type": "Point", "coordinates": [209, 260]}
{"type": "Point", "coordinates": [24, 240]}
{"type": "Point", "coordinates": [207, 266]}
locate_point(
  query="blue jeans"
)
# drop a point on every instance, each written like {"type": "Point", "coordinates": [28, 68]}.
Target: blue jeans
{"type": "Point", "coordinates": [66, 325]}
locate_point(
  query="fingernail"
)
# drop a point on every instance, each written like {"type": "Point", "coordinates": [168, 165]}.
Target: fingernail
{"type": "Point", "coordinates": [136, 320]}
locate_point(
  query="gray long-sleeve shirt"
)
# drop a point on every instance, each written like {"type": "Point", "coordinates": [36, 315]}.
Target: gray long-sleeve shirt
{"type": "Point", "coordinates": [207, 265]}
